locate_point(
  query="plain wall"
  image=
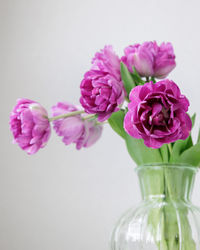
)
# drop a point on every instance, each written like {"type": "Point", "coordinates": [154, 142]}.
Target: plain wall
{"type": "Point", "coordinates": [62, 198]}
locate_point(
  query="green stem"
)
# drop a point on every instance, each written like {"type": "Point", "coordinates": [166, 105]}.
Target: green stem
{"type": "Point", "coordinates": [170, 149]}
{"type": "Point", "coordinates": [153, 79]}
{"type": "Point", "coordinates": [88, 117]}
{"type": "Point", "coordinates": [147, 78]}
{"type": "Point", "coordinates": [101, 123]}
{"type": "Point", "coordinates": [171, 218]}
{"type": "Point", "coordinates": [126, 98]}
{"type": "Point", "coordinates": [78, 112]}
{"type": "Point", "coordinates": [176, 219]}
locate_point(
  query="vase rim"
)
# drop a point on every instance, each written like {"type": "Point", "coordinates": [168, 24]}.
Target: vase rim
{"type": "Point", "coordinates": [166, 165]}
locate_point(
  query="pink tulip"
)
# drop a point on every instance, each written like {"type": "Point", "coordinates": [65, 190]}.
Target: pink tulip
{"type": "Point", "coordinates": [29, 125]}
{"type": "Point", "coordinates": [75, 129]}
{"type": "Point", "coordinates": [149, 59]}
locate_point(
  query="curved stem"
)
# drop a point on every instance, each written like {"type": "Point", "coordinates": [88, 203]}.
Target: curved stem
{"type": "Point", "coordinates": [78, 112]}
{"type": "Point", "coordinates": [101, 123]}
{"type": "Point", "coordinates": [89, 117]}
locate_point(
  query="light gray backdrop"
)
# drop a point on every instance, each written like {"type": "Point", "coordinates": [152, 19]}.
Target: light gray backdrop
{"type": "Point", "coordinates": [60, 198]}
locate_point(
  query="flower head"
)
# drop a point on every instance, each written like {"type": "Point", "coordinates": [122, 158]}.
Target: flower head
{"type": "Point", "coordinates": [107, 61]}
{"type": "Point", "coordinates": [102, 91]}
{"type": "Point", "coordinates": [29, 125]}
{"type": "Point", "coordinates": [149, 59]}
{"type": "Point", "coordinates": [74, 129]}
{"type": "Point", "coordinates": [157, 114]}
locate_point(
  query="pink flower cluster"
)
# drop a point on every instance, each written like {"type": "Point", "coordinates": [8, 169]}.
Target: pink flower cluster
{"type": "Point", "coordinates": [30, 126]}
{"type": "Point", "coordinates": [156, 112]}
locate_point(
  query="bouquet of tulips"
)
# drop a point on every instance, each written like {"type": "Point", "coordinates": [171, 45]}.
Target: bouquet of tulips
{"type": "Point", "coordinates": [133, 96]}
{"type": "Point", "coordinates": [150, 115]}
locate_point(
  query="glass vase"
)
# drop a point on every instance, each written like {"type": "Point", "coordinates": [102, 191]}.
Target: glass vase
{"type": "Point", "coordinates": [166, 219]}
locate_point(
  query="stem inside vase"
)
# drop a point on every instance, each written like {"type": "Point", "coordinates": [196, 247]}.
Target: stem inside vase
{"type": "Point", "coordinates": [165, 220]}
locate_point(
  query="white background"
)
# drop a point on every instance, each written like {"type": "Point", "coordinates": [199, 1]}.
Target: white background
{"type": "Point", "coordinates": [61, 198]}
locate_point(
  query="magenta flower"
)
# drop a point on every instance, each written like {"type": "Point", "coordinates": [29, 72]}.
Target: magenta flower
{"type": "Point", "coordinates": [74, 129]}
{"type": "Point", "coordinates": [157, 114]}
{"type": "Point", "coordinates": [107, 61]}
{"type": "Point", "coordinates": [29, 125]}
{"type": "Point", "coordinates": [102, 91]}
{"type": "Point", "coordinates": [149, 59]}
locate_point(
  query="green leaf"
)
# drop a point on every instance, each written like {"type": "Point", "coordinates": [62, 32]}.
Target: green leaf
{"type": "Point", "coordinates": [140, 153]}
{"type": "Point", "coordinates": [191, 156]}
{"type": "Point", "coordinates": [198, 139]}
{"type": "Point", "coordinates": [164, 153]}
{"type": "Point", "coordinates": [135, 72]}
{"type": "Point", "coordinates": [137, 77]}
{"type": "Point", "coordinates": [126, 78]}
{"type": "Point", "coordinates": [193, 118]}
{"type": "Point", "coordinates": [116, 121]}
{"type": "Point", "coordinates": [181, 145]}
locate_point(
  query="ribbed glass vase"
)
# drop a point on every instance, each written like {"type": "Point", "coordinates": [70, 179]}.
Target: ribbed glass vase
{"type": "Point", "coordinates": [166, 219]}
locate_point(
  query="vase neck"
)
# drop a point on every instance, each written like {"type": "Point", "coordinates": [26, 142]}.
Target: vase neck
{"type": "Point", "coordinates": [166, 181]}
